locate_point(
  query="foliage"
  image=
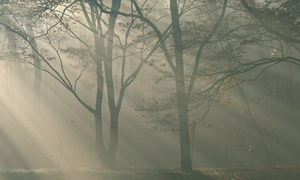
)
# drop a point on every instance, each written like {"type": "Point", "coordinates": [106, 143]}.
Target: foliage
{"type": "Point", "coordinates": [226, 59]}
{"type": "Point", "coordinates": [214, 48]}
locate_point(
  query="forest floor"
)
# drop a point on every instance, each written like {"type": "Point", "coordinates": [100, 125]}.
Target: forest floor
{"type": "Point", "coordinates": [275, 173]}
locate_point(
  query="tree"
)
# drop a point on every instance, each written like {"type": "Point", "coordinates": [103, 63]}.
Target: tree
{"type": "Point", "coordinates": [35, 57]}
{"type": "Point", "coordinates": [281, 20]}
{"type": "Point", "coordinates": [105, 55]}
{"type": "Point", "coordinates": [231, 40]}
{"type": "Point", "coordinates": [186, 162]}
{"type": "Point", "coordinates": [100, 52]}
{"type": "Point", "coordinates": [221, 78]}
{"type": "Point", "coordinates": [226, 65]}
{"type": "Point", "coordinates": [18, 17]}
{"type": "Point", "coordinates": [177, 68]}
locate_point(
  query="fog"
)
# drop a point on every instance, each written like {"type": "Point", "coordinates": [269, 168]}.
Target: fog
{"type": "Point", "coordinates": [53, 130]}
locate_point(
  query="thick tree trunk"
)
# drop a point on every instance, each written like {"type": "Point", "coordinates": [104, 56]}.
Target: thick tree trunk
{"type": "Point", "coordinates": [186, 162]}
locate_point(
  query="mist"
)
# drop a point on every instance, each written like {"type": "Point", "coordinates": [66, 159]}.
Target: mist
{"type": "Point", "coordinates": [251, 124]}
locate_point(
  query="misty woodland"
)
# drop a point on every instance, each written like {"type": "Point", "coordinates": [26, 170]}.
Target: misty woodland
{"type": "Point", "coordinates": [149, 84]}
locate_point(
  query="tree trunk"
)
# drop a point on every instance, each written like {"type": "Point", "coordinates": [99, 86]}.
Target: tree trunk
{"type": "Point", "coordinates": [36, 61]}
{"type": "Point", "coordinates": [16, 72]}
{"type": "Point", "coordinates": [98, 112]}
{"type": "Point", "coordinates": [13, 54]}
{"type": "Point", "coordinates": [106, 156]}
{"type": "Point", "coordinates": [99, 49]}
{"type": "Point", "coordinates": [186, 162]}
{"type": "Point", "coordinates": [113, 141]}
{"type": "Point", "coordinates": [114, 111]}
{"type": "Point", "coordinates": [104, 55]}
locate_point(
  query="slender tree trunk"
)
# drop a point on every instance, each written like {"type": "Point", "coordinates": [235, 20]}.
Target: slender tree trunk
{"type": "Point", "coordinates": [12, 45]}
{"type": "Point", "coordinates": [16, 72]}
{"type": "Point", "coordinates": [99, 138]}
{"type": "Point", "coordinates": [113, 141]}
{"type": "Point", "coordinates": [104, 55]}
{"type": "Point", "coordinates": [36, 61]}
{"type": "Point", "coordinates": [106, 155]}
{"type": "Point", "coordinates": [186, 161]}
{"type": "Point", "coordinates": [114, 111]}
{"type": "Point", "coordinates": [99, 97]}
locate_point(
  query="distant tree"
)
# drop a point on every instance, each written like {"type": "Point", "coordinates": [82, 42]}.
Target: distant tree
{"type": "Point", "coordinates": [18, 17]}
{"type": "Point", "coordinates": [280, 18]}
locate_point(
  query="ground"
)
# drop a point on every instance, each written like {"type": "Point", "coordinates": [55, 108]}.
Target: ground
{"type": "Point", "coordinates": [275, 173]}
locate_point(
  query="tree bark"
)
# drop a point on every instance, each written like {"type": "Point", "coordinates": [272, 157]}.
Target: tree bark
{"type": "Point", "coordinates": [186, 162]}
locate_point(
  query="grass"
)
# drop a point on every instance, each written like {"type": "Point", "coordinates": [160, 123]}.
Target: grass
{"type": "Point", "coordinates": [276, 173]}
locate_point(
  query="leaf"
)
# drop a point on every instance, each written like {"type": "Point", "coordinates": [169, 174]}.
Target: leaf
{"type": "Point", "coordinates": [278, 54]}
